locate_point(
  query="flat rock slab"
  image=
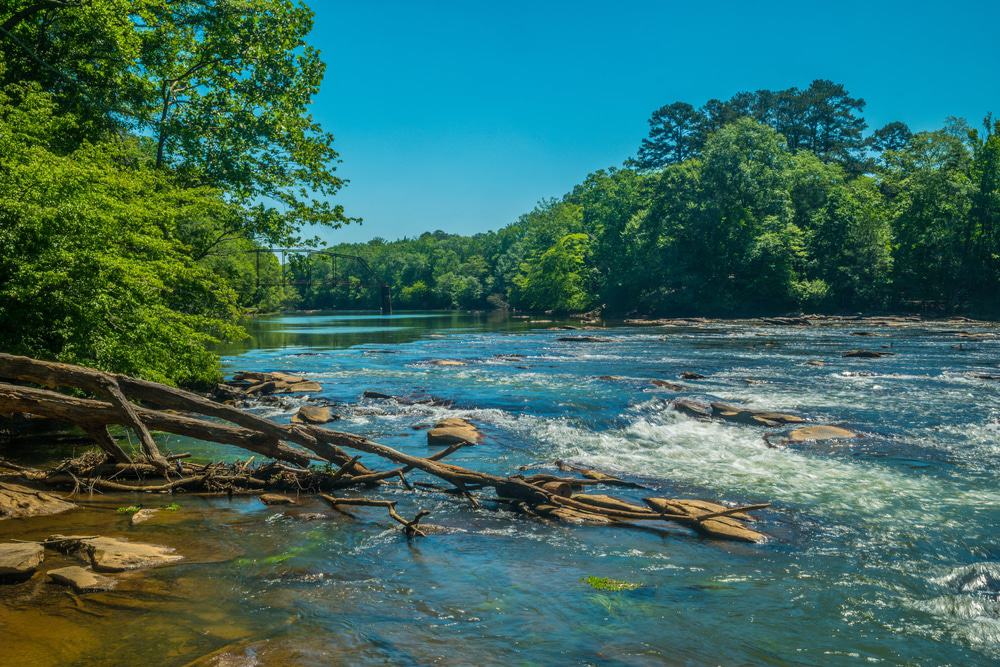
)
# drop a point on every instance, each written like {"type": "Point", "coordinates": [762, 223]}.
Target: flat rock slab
{"type": "Point", "coordinates": [447, 362]}
{"type": "Point", "coordinates": [18, 561]}
{"type": "Point", "coordinates": [452, 431]}
{"type": "Point", "coordinates": [741, 415]}
{"type": "Point", "coordinates": [275, 499]}
{"type": "Point", "coordinates": [820, 432]}
{"type": "Point", "coordinates": [314, 414]}
{"type": "Point", "coordinates": [82, 580]}
{"type": "Point", "coordinates": [18, 502]}
{"type": "Point", "coordinates": [107, 554]}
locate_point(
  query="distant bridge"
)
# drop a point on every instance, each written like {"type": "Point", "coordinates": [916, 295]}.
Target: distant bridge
{"type": "Point", "coordinates": [338, 261]}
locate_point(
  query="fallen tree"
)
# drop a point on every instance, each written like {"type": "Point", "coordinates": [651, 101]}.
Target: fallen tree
{"type": "Point", "coordinates": [103, 400]}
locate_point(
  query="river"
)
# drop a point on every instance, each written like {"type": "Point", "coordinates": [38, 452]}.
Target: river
{"type": "Point", "coordinates": [884, 549]}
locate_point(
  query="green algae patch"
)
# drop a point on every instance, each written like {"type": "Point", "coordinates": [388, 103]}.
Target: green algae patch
{"type": "Point", "coordinates": [130, 509]}
{"type": "Point", "coordinates": [608, 584]}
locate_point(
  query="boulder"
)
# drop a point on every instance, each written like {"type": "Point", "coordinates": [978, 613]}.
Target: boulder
{"type": "Point", "coordinates": [820, 432]}
{"type": "Point", "coordinates": [107, 554]}
{"type": "Point", "coordinates": [82, 580]}
{"type": "Point", "coordinates": [19, 560]}
{"type": "Point", "coordinates": [376, 395]}
{"type": "Point", "coordinates": [691, 375]}
{"type": "Point", "coordinates": [672, 386]}
{"type": "Point", "coordinates": [452, 431]}
{"type": "Point", "coordinates": [275, 499]}
{"type": "Point", "coordinates": [314, 414]}
{"type": "Point", "coordinates": [866, 354]}
{"type": "Point", "coordinates": [692, 408]}
{"type": "Point", "coordinates": [143, 515]}
{"type": "Point", "coordinates": [447, 362]}
{"type": "Point", "coordinates": [17, 502]}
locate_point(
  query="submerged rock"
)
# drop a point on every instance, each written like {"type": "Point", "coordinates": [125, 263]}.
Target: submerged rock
{"type": "Point", "coordinates": [447, 362]}
{"type": "Point", "coordinates": [820, 432]}
{"type": "Point", "coordinates": [452, 431]}
{"type": "Point", "coordinates": [18, 561]}
{"type": "Point", "coordinates": [314, 414]}
{"type": "Point", "coordinates": [584, 339]}
{"type": "Point", "coordinates": [82, 580]}
{"type": "Point", "coordinates": [691, 375]}
{"type": "Point", "coordinates": [107, 554]}
{"type": "Point", "coordinates": [17, 502]}
{"type": "Point", "coordinates": [867, 354]}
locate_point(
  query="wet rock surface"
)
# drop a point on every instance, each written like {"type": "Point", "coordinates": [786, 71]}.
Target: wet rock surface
{"type": "Point", "coordinates": [18, 561]}
{"type": "Point", "coordinates": [314, 414]}
{"type": "Point", "coordinates": [820, 432]}
{"type": "Point", "coordinates": [81, 579]}
{"type": "Point", "coordinates": [17, 502]}
{"type": "Point", "coordinates": [452, 431]}
{"type": "Point", "coordinates": [108, 554]}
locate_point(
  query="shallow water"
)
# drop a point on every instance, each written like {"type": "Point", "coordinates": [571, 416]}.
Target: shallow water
{"type": "Point", "coordinates": [883, 549]}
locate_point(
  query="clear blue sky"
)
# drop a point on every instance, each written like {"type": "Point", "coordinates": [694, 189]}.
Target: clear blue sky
{"type": "Point", "coordinates": [462, 115]}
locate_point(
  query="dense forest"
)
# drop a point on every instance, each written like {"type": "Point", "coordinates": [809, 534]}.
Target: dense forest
{"type": "Point", "coordinates": [768, 202]}
{"type": "Point", "coordinates": [149, 148]}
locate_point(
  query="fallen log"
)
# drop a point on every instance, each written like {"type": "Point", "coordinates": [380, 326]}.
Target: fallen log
{"type": "Point", "coordinates": [292, 449]}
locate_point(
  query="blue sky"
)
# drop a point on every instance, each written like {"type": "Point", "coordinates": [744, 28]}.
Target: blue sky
{"type": "Point", "coordinates": [462, 115]}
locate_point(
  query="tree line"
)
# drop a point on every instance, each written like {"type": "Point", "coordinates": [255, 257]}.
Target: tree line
{"type": "Point", "coordinates": [769, 202]}
{"type": "Point", "coordinates": [150, 148]}
{"type": "Point", "coordinates": [147, 148]}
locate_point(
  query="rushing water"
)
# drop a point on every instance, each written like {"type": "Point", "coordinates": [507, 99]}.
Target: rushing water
{"type": "Point", "coordinates": [884, 549]}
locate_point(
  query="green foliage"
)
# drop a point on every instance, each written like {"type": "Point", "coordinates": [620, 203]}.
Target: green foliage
{"type": "Point", "coordinates": [91, 270]}
{"type": "Point", "coordinates": [131, 509]}
{"type": "Point", "coordinates": [555, 280]}
{"type": "Point", "coordinates": [607, 584]}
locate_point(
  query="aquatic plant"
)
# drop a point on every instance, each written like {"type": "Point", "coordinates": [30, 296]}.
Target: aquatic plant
{"type": "Point", "coordinates": [608, 584]}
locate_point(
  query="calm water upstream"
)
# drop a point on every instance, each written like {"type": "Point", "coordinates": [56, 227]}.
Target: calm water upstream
{"type": "Point", "coordinates": [884, 549]}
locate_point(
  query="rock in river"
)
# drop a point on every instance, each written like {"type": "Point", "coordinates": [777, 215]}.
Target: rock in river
{"type": "Point", "coordinates": [17, 502]}
{"type": "Point", "coordinates": [18, 561]}
{"type": "Point", "coordinates": [82, 580]}
{"type": "Point", "coordinates": [107, 554]}
{"type": "Point", "coordinates": [452, 431]}
{"type": "Point", "coordinates": [275, 499]}
{"type": "Point", "coordinates": [866, 354]}
{"type": "Point", "coordinates": [672, 386]}
{"type": "Point", "coordinates": [820, 432]}
{"type": "Point", "coordinates": [314, 414]}
{"type": "Point", "coordinates": [691, 375]}
{"type": "Point", "coordinates": [583, 339]}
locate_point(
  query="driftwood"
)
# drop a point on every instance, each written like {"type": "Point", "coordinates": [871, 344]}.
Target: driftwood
{"type": "Point", "coordinates": [143, 407]}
